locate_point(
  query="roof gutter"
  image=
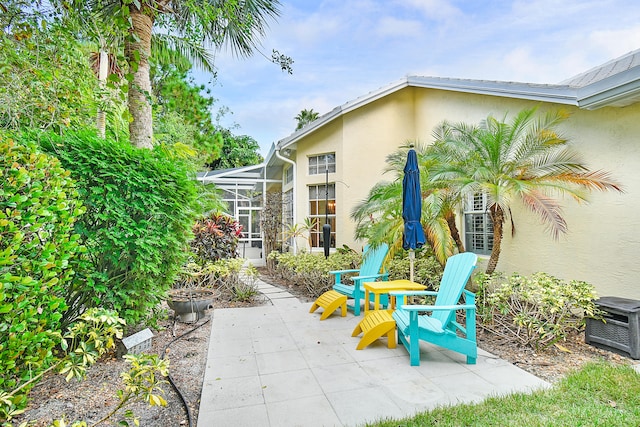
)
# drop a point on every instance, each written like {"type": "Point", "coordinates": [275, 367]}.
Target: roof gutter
{"type": "Point", "coordinates": [294, 190]}
{"type": "Point", "coordinates": [618, 88]}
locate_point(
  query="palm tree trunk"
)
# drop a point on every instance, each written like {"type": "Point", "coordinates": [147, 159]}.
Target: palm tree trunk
{"type": "Point", "coordinates": [137, 51]}
{"type": "Point", "coordinates": [103, 64]}
{"type": "Point", "coordinates": [497, 217]}
{"type": "Point", "coordinates": [450, 217]}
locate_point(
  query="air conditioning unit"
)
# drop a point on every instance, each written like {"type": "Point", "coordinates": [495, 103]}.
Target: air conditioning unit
{"type": "Point", "coordinates": [620, 331]}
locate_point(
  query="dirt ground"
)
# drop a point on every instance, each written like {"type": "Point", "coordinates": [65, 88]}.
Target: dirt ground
{"type": "Point", "coordinates": [94, 397]}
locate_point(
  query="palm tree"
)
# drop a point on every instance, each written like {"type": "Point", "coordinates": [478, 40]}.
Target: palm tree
{"type": "Point", "coordinates": [525, 159]}
{"type": "Point", "coordinates": [293, 231]}
{"type": "Point", "coordinates": [305, 117]}
{"type": "Point", "coordinates": [236, 24]}
{"type": "Point", "coordinates": [379, 217]}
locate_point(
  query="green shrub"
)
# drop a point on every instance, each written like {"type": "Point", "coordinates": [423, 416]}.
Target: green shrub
{"type": "Point", "coordinates": [311, 271]}
{"type": "Point", "coordinates": [140, 210]}
{"type": "Point", "coordinates": [247, 287]}
{"type": "Point", "coordinates": [215, 237]}
{"type": "Point", "coordinates": [539, 310]}
{"type": "Point", "coordinates": [224, 276]}
{"type": "Point", "coordinates": [426, 270]}
{"type": "Point", "coordinates": [209, 275]}
{"type": "Point", "coordinates": [38, 208]}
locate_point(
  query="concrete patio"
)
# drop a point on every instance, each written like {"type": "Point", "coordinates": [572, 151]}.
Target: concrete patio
{"type": "Point", "coordinates": [278, 365]}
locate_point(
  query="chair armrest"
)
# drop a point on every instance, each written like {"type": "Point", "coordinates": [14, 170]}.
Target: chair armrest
{"type": "Point", "coordinates": [343, 271]}
{"type": "Point", "coordinates": [372, 276]}
{"type": "Point", "coordinates": [414, 307]}
{"type": "Point", "coordinates": [338, 274]}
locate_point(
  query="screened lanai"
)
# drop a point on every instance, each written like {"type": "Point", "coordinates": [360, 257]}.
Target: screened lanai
{"type": "Point", "coordinates": [243, 191]}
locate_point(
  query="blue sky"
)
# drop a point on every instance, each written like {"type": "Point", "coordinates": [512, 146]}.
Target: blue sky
{"type": "Point", "coordinates": [345, 49]}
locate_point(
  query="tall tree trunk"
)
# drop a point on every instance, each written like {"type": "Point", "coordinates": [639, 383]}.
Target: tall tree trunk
{"type": "Point", "coordinates": [497, 217]}
{"type": "Point", "coordinates": [453, 229]}
{"type": "Point", "coordinates": [137, 51]}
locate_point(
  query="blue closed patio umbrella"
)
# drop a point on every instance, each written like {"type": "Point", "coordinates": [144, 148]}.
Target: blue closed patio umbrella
{"type": "Point", "coordinates": [413, 236]}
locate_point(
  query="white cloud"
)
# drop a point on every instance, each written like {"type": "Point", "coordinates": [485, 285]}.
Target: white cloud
{"type": "Point", "coordinates": [394, 27]}
{"type": "Point", "coordinates": [343, 50]}
{"type": "Point", "coordinates": [616, 42]}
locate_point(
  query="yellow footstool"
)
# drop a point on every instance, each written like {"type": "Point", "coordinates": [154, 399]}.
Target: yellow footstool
{"type": "Point", "coordinates": [374, 325]}
{"type": "Point", "coordinates": [330, 301]}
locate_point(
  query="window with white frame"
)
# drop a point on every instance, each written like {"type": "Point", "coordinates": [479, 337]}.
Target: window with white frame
{"type": "Point", "coordinates": [478, 227]}
{"type": "Point", "coordinates": [322, 163]}
{"type": "Point", "coordinates": [288, 175]}
{"type": "Point", "coordinates": [287, 211]}
{"type": "Point", "coordinates": [322, 207]}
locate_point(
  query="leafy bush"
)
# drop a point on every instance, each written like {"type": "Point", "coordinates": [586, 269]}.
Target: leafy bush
{"type": "Point", "coordinates": [140, 210]}
{"type": "Point", "coordinates": [223, 275]}
{"type": "Point", "coordinates": [426, 270]}
{"type": "Point", "coordinates": [215, 237]}
{"type": "Point", "coordinates": [38, 208]}
{"type": "Point", "coordinates": [46, 79]}
{"type": "Point", "coordinates": [539, 310]}
{"type": "Point", "coordinates": [247, 287]}
{"type": "Point", "coordinates": [312, 270]}
{"type": "Point", "coordinates": [210, 274]}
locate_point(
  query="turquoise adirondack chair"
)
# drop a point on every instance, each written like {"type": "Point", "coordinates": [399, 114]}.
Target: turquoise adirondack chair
{"type": "Point", "coordinates": [369, 271]}
{"type": "Point", "coordinates": [441, 327]}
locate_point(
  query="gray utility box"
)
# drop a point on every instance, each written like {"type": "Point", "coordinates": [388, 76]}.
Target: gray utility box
{"type": "Point", "coordinates": [621, 331]}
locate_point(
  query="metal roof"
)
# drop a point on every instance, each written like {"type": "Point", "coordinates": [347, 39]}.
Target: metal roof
{"type": "Point", "coordinates": [608, 69]}
{"type": "Point", "coordinates": [613, 84]}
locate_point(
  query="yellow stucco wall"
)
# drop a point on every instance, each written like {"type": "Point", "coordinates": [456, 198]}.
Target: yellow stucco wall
{"type": "Point", "coordinates": [603, 236]}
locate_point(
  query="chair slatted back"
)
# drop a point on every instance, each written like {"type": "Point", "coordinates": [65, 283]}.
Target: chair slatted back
{"type": "Point", "coordinates": [457, 271]}
{"type": "Point", "coordinates": [372, 259]}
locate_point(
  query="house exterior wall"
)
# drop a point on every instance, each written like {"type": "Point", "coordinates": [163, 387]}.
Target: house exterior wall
{"type": "Point", "coordinates": [361, 139]}
{"type": "Point", "coordinates": [603, 235]}
{"type": "Point", "coordinates": [370, 133]}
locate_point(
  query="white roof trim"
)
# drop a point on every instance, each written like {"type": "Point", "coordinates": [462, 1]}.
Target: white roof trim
{"type": "Point", "coordinates": [619, 89]}
{"type": "Point", "coordinates": [561, 94]}
{"type": "Point", "coordinates": [547, 93]}
{"type": "Point", "coordinates": [211, 175]}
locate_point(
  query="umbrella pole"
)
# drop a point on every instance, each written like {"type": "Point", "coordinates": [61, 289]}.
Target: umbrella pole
{"type": "Point", "coordinates": [412, 256]}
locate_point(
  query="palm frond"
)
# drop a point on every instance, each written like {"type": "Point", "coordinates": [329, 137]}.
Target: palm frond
{"type": "Point", "coordinates": [240, 25]}
{"type": "Point", "coordinates": [594, 180]}
{"type": "Point", "coordinates": [548, 210]}
{"type": "Point", "coordinates": [439, 236]}
{"type": "Point", "coordinates": [182, 52]}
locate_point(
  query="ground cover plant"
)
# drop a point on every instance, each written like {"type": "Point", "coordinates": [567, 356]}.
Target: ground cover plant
{"type": "Point", "coordinates": [311, 270]}
{"type": "Point", "coordinates": [538, 310]}
{"type": "Point", "coordinates": [600, 394]}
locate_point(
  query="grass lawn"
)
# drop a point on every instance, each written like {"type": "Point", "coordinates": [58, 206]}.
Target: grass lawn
{"type": "Point", "coordinates": [600, 394]}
